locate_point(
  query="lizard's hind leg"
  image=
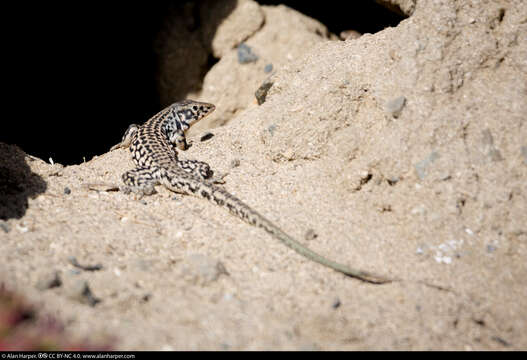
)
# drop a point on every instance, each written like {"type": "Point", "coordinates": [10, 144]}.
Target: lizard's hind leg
{"type": "Point", "coordinates": [201, 170]}
{"type": "Point", "coordinates": [140, 181]}
{"type": "Point", "coordinates": [197, 168]}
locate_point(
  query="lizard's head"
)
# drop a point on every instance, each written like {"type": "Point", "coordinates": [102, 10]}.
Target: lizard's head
{"type": "Point", "coordinates": [190, 111]}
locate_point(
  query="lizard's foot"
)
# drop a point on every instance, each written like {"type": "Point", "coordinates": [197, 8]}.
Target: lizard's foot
{"type": "Point", "coordinates": [140, 181]}
{"type": "Point", "coordinates": [218, 178]}
{"type": "Point", "coordinates": [125, 189]}
{"type": "Point", "coordinates": [138, 192]}
{"type": "Point", "coordinates": [197, 168]}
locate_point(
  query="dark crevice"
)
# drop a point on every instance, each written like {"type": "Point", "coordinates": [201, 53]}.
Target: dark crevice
{"type": "Point", "coordinates": [501, 15]}
{"type": "Point", "coordinates": [83, 72]}
{"type": "Point", "coordinates": [17, 183]}
{"type": "Point", "coordinates": [211, 61]}
{"type": "Point", "coordinates": [90, 69]}
{"type": "Point", "coordinates": [365, 16]}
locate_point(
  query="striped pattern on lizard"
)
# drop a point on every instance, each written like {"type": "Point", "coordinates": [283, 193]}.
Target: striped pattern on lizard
{"type": "Point", "coordinates": [153, 147]}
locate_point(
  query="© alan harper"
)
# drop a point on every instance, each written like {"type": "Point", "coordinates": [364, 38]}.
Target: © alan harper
{"type": "Point", "coordinates": [66, 355]}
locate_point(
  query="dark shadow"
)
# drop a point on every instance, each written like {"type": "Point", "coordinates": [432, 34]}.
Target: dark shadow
{"type": "Point", "coordinates": [365, 16]}
{"type": "Point", "coordinates": [82, 72]}
{"type": "Point", "coordinates": [184, 46]}
{"type": "Point", "coordinates": [17, 182]}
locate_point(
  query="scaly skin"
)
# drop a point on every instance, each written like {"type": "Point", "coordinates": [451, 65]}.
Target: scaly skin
{"type": "Point", "coordinates": [153, 150]}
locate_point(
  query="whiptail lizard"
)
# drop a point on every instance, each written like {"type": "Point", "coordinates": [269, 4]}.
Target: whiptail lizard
{"type": "Point", "coordinates": [153, 147]}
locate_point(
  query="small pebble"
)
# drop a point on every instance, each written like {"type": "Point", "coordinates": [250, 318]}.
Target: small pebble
{"type": "Point", "coordinates": [261, 93]}
{"type": "Point", "coordinates": [245, 54]}
{"type": "Point", "coordinates": [491, 248]}
{"type": "Point", "coordinates": [336, 303]}
{"type": "Point", "coordinates": [349, 35]}
{"type": "Point", "coordinates": [488, 143]}
{"type": "Point", "coordinates": [500, 341]}
{"type": "Point", "coordinates": [422, 166]}
{"type": "Point", "coordinates": [443, 259]}
{"type": "Point", "coordinates": [206, 136]}
{"type": "Point", "coordinates": [392, 181]}
{"type": "Point", "coordinates": [67, 190]}
{"type": "Point", "coordinates": [395, 106]}
{"type": "Point", "coordinates": [310, 235]}
{"type": "Point", "coordinates": [5, 226]}
{"type": "Point", "coordinates": [486, 138]}
{"type": "Point", "coordinates": [73, 261]}
{"type": "Point", "coordinates": [235, 163]}
{"type": "Point", "coordinates": [495, 155]}
{"type": "Point", "coordinates": [21, 228]}
{"type": "Point", "coordinates": [268, 68]}
{"type": "Point", "coordinates": [48, 280]}
{"type": "Point", "coordinates": [80, 291]}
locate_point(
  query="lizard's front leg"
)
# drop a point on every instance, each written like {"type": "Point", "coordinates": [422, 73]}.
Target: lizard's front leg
{"type": "Point", "coordinates": [127, 137]}
{"type": "Point", "coordinates": [178, 139]}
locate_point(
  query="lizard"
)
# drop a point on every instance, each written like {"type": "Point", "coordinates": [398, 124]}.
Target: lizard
{"type": "Point", "coordinates": [154, 151]}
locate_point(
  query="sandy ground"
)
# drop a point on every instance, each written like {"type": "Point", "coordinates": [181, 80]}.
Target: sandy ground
{"type": "Point", "coordinates": [402, 153]}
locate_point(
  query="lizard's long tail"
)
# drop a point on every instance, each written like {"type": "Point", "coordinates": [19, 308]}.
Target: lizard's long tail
{"type": "Point", "coordinates": [221, 197]}
{"type": "Point", "coordinates": [256, 219]}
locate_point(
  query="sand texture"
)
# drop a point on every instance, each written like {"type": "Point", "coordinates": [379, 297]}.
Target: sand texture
{"type": "Point", "coordinates": [402, 152]}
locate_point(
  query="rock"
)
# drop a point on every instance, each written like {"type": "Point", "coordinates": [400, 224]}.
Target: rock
{"type": "Point", "coordinates": [261, 93]}
{"type": "Point", "coordinates": [422, 166]}
{"type": "Point", "coordinates": [235, 163]}
{"type": "Point", "coordinates": [349, 35]}
{"type": "Point", "coordinates": [48, 280]}
{"type": "Point", "coordinates": [395, 106]}
{"type": "Point", "coordinates": [207, 136]}
{"type": "Point", "coordinates": [336, 303]}
{"type": "Point", "coordinates": [488, 145]}
{"type": "Point", "coordinates": [246, 54]}
{"type": "Point", "coordinates": [73, 261]}
{"type": "Point", "coordinates": [285, 36]}
{"type": "Point", "coordinates": [5, 226]}
{"type": "Point", "coordinates": [79, 290]}
{"type": "Point", "coordinates": [310, 235]}
{"type": "Point", "coordinates": [237, 23]}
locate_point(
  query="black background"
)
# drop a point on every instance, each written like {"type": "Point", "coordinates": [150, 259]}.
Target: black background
{"type": "Point", "coordinates": [76, 75]}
